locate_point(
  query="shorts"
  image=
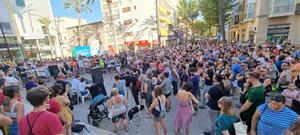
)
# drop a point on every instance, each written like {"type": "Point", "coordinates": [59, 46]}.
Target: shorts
{"type": "Point", "coordinates": [161, 116]}
{"type": "Point", "coordinates": [248, 122]}
{"type": "Point", "coordinates": [167, 95]}
{"type": "Point", "coordinates": [116, 119]}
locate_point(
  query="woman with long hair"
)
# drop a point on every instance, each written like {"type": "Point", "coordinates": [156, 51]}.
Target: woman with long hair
{"type": "Point", "coordinates": [225, 121]}
{"type": "Point", "coordinates": [159, 103]}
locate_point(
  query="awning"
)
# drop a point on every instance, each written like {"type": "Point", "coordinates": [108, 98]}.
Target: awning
{"type": "Point", "coordinates": [143, 43]}
{"type": "Point", "coordinates": [129, 43]}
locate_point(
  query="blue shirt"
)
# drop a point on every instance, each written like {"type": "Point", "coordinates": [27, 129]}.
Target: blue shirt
{"type": "Point", "coordinates": [30, 84]}
{"type": "Point", "coordinates": [278, 65]}
{"type": "Point", "coordinates": [196, 89]}
{"type": "Point", "coordinates": [236, 68]}
{"type": "Point", "coordinates": [275, 122]}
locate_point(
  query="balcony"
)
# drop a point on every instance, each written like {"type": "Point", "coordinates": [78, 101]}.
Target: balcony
{"type": "Point", "coordinates": [250, 11]}
{"type": "Point", "coordinates": [283, 8]}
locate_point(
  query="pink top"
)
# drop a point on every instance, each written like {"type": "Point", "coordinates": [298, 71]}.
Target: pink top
{"type": "Point", "coordinates": [288, 93]}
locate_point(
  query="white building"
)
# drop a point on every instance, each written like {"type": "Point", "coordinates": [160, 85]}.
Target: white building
{"type": "Point", "coordinates": [33, 34]}
{"type": "Point", "coordinates": [134, 22]}
{"type": "Point", "coordinates": [62, 24]}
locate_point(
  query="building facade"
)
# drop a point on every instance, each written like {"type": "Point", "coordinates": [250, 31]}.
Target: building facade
{"type": "Point", "coordinates": [19, 17]}
{"type": "Point", "coordinates": [64, 37]}
{"type": "Point", "coordinates": [91, 36]}
{"type": "Point", "coordinates": [134, 22]}
{"type": "Point", "coordinates": [260, 20]}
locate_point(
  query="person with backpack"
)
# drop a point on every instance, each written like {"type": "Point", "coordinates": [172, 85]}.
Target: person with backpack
{"type": "Point", "coordinates": [40, 121]}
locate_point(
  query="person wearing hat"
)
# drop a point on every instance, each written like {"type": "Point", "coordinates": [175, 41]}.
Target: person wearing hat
{"type": "Point", "coordinates": [274, 118]}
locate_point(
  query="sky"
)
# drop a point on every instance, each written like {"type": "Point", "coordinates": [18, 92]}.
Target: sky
{"type": "Point", "coordinates": [59, 10]}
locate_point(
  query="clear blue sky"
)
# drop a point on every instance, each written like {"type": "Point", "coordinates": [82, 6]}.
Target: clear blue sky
{"type": "Point", "coordinates": [59, 10]}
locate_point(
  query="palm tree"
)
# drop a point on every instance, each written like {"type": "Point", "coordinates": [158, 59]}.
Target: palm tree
{"type": "Point", "coordinates": [45, 21]}
{"type": "Point", "coordinates": [80, 6]}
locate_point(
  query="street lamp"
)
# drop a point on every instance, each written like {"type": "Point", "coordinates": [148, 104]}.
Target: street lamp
{"type": "Point", "coordinates": [109, 2]}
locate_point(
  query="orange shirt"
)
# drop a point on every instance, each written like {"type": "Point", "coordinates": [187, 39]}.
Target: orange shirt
{"type": "Point", "coordinates": [295, 68]}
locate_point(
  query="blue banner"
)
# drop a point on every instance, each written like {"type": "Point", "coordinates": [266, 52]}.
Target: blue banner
{"type": "Point", "coordinates": [81, 50]}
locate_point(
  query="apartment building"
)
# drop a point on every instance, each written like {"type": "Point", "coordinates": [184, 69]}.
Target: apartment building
{"type": "Point", "coordinates": [91, 36]}
{"type": "Point", "coordinates": [260, 20]}
{"type": "Point", "coordinates": [134, 22]}
{"type": "Point", "coordinates": [22, 18]}
{"type": "Point", "coordinates": [62, 24]}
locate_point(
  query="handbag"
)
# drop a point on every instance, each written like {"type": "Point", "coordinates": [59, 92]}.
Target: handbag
{"type": "Point", "coordinates": [240, 128]}
{"type": "Point", "coordinates": [155, 112]}
{"type": "Point", "coordinates": [77, 128]}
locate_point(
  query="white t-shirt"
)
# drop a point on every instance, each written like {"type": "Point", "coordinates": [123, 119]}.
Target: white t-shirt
{"type": "Point", "coordinates": [75, 83]}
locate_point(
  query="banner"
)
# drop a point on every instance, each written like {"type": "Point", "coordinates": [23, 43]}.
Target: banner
{"type": "Point", "coordinates": [81, 50]}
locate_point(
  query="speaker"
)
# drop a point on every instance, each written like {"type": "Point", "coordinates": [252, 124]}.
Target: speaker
{"type": "Point", "coordinates": [97, 76]}
{"type": "Point", "coordinates": [53, 69]}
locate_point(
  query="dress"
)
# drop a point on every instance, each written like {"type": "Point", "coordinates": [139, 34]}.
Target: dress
{"type": "Point", "coordinates": [184, 115]}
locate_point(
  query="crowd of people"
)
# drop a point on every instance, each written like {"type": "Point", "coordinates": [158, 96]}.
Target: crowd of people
{"type": "Point", "coordinates": [232, 82]}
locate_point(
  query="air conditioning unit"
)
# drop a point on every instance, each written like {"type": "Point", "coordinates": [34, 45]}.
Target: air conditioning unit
{"type": "Point", "coordinates": [253, 29]}
{"type": "Point", "coordinates": [297, 10]}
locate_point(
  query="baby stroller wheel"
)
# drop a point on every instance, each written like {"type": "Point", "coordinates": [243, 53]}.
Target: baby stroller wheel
{"type": "Point", "coordinates": [95, 124]}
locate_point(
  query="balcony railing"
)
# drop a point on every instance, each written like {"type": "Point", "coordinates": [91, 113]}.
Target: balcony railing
{"type": "Point", "coordinates": [283, 8]}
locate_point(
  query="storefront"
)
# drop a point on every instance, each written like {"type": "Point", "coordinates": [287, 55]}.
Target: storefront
{"type": "Point", "coordinates": [278, 33]}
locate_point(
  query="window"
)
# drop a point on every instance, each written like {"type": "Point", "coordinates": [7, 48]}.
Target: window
{"type": "Point", "coordinates": [127, 22]}
{"type": "Point", "coordinates": [128, 34]}
{"type": "Point", "coordinates": [6, 27]}
{"type": "Point", "coordinates": [283, 7]}
{"type": "Point", "coordinates": [251, 6]}
{"type": "Point", "coordinates": [126, 9]}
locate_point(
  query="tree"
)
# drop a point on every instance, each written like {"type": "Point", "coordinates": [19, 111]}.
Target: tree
{"type": "Point", "coordinates": [199, 27]}
{"type": "Point", "coordinates": [80, 6]}
{"type": "Point", "coordinates": [45, 21]}
{"type": "Point", "coordinates": [188, 12]}
{"type": "Point", "coordinates": [216, 12]}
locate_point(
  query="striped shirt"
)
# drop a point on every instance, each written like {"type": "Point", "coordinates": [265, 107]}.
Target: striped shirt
{"type": "Point", "coordinates": [275, 122]}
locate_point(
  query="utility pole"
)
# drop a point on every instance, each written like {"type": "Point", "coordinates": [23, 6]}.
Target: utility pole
{"type": "Point", "coordinates": [157, 22]}
{"type": "Point", "coordinates": [7, 45]}
{"type": "Point", "coordinates": [14, 23]}
{"type": "Point", "coordinates": [109, 2]}
{"type": "Point", "coordinates": [222, 18]}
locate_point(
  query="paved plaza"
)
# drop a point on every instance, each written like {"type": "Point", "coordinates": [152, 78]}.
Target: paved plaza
{"type": "Point", "coordinates": [143, 125]}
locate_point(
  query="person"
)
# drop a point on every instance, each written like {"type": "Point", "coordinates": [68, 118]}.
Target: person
{"type": "Point", "coordinates": [184, 113]}
{"type": "Point", "coordinates": [40, 121]}
{"type": "Point", "coordinates": [274, 118]}
{"type": "Point", "coordinates": [21, 71]}
{"type": "Point", "coordinates": [265, 80]}
{"type": "Point", "coordinates": [289, 94]}
{"type": "Point", "coordinates": [225, 121]}
{"type": "Point", "coordinates": [285, 76]}
{"type": "Point", "coordinates": [158, 103]}
{"type": "Point", "coordinates": [2, 97]}
{"type": "Point", "coordinates": [75, 83]}
{"type": "Point", "coordinates": [65, 111]}
{"type": "Point", "coordinates": [255, 96]}
{"type": "Point", "coordinates": [120, 85]}
{"type": "Point", "coordinates": [10, 79]}
{"type": "Point", "coordinates": [119, 107]}
{"type": "Point", "coordinates": [66, 86]}
{"type": "Point", "coordinates": [14, 108]}
{"type": "Point", "coordinates": [208, 82]}
{"type": "Point", "coordinates": [214, 94]}
{"type": "Point", "coordinates": [31, 83]}
{"type": "Point", "coordinates": [167, 87]}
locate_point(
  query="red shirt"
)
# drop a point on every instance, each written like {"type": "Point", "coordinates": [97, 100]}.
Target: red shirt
{"type": "Point", "coordinates": [54, 106]}
{"type": "Point", "coordinates": [2, 97]}
{"type": "Point", "coordinates": [46, 123]}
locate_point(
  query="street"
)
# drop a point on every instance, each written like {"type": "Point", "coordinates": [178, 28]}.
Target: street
{"type": "Point", "coordinates": [144, 126]}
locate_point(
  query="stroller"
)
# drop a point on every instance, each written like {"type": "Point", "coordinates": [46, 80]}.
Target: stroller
{"type": "Point", "coordinates": [98, 110]}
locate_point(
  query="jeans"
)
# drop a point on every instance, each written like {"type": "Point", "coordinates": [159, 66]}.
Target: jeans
{"type": "Point", "coordinates": [206, 88]}
{"type": "Point", "coordinates": [213, 114]}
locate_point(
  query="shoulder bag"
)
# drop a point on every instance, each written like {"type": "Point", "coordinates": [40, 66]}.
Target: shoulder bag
{"type": "Point", "coordinates": [155, 112]}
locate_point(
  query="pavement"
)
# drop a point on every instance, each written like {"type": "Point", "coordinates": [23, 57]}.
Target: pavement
{"type": "Point", "coordinates": [141, 124]}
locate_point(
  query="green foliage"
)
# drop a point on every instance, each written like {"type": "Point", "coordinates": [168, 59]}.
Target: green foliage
{"type": "Point", "coordinates": [45, 21]}
{"type": "Point", "coordinates": [199, 27]}
{"type": "Point", "coordinates": [188, 11]}
{"type": "Point", "coordinates": [78, 5]}
{"type": "Point", "coordinates": [210, 11]}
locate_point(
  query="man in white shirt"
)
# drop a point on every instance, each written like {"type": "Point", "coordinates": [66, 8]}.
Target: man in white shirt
{"type": "Point", "coordinates": [75, 83]}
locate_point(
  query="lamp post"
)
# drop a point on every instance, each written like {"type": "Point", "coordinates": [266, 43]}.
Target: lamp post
{"type": "Point", "coordinates": [109, 2]}
{"type": "Point", "coordinates": [6, 44]}
{"type": "Point", "coordinates": [157, 22]}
